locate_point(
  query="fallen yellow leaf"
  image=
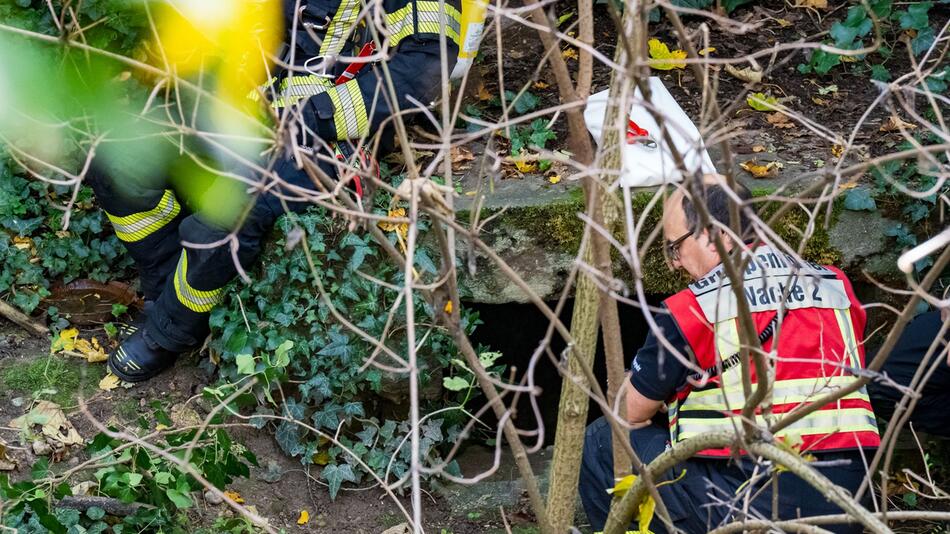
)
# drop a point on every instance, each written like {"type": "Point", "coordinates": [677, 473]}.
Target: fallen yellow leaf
{"type": "Point", "coordinates": [768, 170]}
{"type": "Point", "coordinates": [758, 148]}
{"type": "Point", "coordinates": [663, 59]}
{"type": "Point", "coordinates": [783, 23]}
{"type": "Point", "coordinates": [525, 166]}
{"type": "Point", "coordinates": [401, 228]}
{"type": "Point", "coordinates": [66, 340]}
{"type": "Point", "coordinates": [234, 496]}
{"type": "Point", "coordinates": [91, 350]}
{"type": "Point", "coordinates": [483, 93]}
{"type": "Point", "coordinates": [895, 124]}
{"type": "Point", "coordinates": [569, 53]}
{"type": "Point", "coordinates": [748, 74]}
{"type": "Point", "coordinates": [321, 458]}
{"type": "Point", "coordinates": [304, 517]}
{"type": "Point", "coordinates": [820, 101]}
{"type": "Point", "coordinates": [837, 151]}
{"type": "Point", "coordinates": [762, 102]}
{"type": "Point", "coordinates": [555, 179]}
{"type": "Point", "coordinates": [448, 307]}
{"type": "Point", "coordinates": [159, 427]}
{"type": "Point", "coordinates": [707, 50]}
{"type": "Point", "coordinates": [109, 382]}
{"type": "Point", "coordinates": [541, 85]}
{"type": "Point", "coordinates": [813, 4]}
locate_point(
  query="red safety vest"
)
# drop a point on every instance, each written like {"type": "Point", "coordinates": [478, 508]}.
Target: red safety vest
{"type": "Point", "coordinates": [820, 340]}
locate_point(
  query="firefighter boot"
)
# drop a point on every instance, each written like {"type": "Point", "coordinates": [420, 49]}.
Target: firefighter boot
{"type": "Point", "coordinates": [140, 358]}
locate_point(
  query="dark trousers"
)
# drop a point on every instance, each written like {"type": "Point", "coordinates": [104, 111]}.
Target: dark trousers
{"type": "Point", "coordinates": [185, 282]}
{"type": "Point", "coordinates": [930, 413]}
{"type": "Point", "coordinates": [710, 492]}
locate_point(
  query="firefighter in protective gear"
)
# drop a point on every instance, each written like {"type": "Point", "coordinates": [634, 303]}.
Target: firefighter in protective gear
{"type": "Point", "coordinates": [811, 325]}
{"type": "Point", "coordinates": [335, 103]}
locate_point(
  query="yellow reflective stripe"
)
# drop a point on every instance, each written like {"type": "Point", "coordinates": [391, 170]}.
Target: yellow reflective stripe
{"type": "Point", "coordinates": [349, 111]}
{"type": "Point", "coordinates": [194, 299]}
{"type": "Point", "coordinates": [138, 226]}
{"type": "Point", "coordinates": [822, 422]}
{"type": "Point", "coordinates": [340, 27]}
{"type": "Point", "coordinates": [434, 18]}
{"type": "Point", "coordinates": [847, 334]}
{"type": "Point", "coordinates": [299, 87]}
{"type": "Point", "coordinates": [795, 386]}
{"type": "Point", "coordinates": [782, 397]}
{"type": "Point", "coordinates": [399, 24]}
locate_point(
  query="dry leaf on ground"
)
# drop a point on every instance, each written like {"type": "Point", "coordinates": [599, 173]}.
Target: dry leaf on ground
{"type": "Point", "coordinates": [234, 496]}
{"type": "Point", "coordinates": [304, 517]}
{"type": "Point", "coordinates": [758, 148]}
{"type": "Point", "coordinates": [896, 124]}
{"type": "Point", "coordinates": [813, 4]}
{"type": "Point", "coordinates": [55, 427]}
{"type": "Point", "coordinates": [661, 58]}
{"type": "Point", "coordinates": [569, 53]}
{"type": "Point", "coordinates": [483, 93]}
{"type": "Point", "coordinates": [554, 179]}
{"type": "Point", "coordinates": [525, 166]}
{"type": "Point", "coordinates": [109, 382]}
{"type": "Point", "coordinates": [66, 340]}
{"type": "Point", "coordinates": [779, 120]}
{"type": "Point", "coordinates": [90, 350]}
{"type": "Point", "coordinates": [460, 155]}
{"type": "Point", "coordinates": [837, 151]}
{"type": "Point", "coordinates": [757, 170]}
{"type": "Point", "coordinates": [541, 85]}
{"type": "Point", "coordinates": [6, 463]}
{"type": "Point", "coordinates": [762, 102]}
{"type": "Point", "coordinates": [748, 74]}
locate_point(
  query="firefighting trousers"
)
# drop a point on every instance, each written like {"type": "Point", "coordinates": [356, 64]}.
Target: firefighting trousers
{"type": "Point", "coordinates": [702, 494]}
{"type": "Point", "coordinates": [186, 282]}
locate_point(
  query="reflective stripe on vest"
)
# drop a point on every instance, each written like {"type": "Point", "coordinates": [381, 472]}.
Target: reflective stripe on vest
{"type": "Point", "coordinates": [138, 226]}
{"type": "Point", "coordinates": [822, 422]}
{"type": "Point", "coordinates": [195, 300]}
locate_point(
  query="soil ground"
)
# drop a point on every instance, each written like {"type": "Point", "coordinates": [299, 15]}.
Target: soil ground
{"type": "Point", "coordinates": [27, 370]}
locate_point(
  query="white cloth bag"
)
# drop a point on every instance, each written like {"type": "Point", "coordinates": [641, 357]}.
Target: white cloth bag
{"type": "Point", "coordinates": [644, 166]}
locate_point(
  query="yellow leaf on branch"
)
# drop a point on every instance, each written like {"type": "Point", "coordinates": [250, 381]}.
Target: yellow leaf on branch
{"type": "Point", "coordinates": [661, 58]}
{"type": "Point", "coordinates": [647, 506]}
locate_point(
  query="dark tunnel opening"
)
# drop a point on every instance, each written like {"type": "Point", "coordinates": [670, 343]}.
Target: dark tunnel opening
{"type": "Point", "coordinates": [515, 330]}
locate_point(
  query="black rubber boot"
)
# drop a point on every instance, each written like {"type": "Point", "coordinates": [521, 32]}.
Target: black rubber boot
{"type": "Point", "coordinates": [136, 322]}
{"type": "Point", "coordinates": [140, 358]}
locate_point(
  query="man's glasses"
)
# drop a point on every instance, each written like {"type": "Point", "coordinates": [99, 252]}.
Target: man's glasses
{"type": "Point", "coordinates": [673, 247]}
